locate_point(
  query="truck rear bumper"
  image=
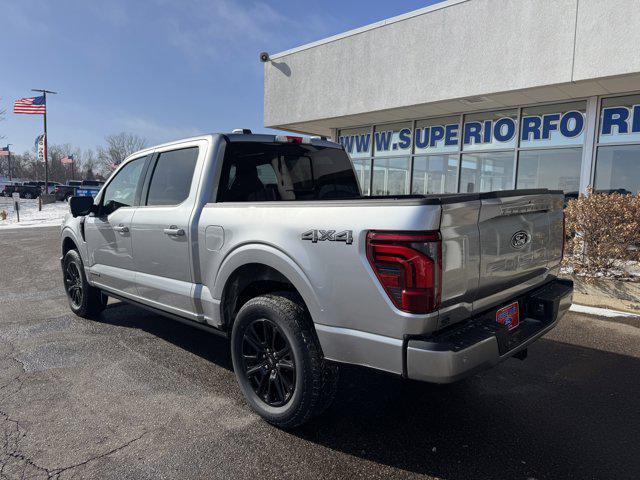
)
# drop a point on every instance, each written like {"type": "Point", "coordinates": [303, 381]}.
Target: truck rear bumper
{"type": "Point", "coordinates": [461, 350]}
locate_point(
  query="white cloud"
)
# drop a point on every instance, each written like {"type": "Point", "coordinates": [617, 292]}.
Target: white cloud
{"type": "Point", "coordinates": [225, 28]}
{"type": "Point", "coordinates": [153, 131]}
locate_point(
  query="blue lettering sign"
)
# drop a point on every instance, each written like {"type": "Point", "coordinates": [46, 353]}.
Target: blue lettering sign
{"type": "Point", "coordinates": [404, 138]}
{"type": "Point", "coordinates": [437, 134]}
{"type": "Point", "coordinates": [472, 131]}
{"type": "Point", "coordinates": [451, 135]}
{"type": "Point", "coordinates": [635, 126]}
{"type": "Point", "coordinates": [422, 137]}
{"type": "Point", "coordinates": [486, 138]}
{"type": "Point", "coordinates": [383, 140]}
{"type": "Point", "coordinates": [531, 128]}
{"type": "Point", "coordinates": [571, 124]}
{"type": "Point", "coordinates": [615, 117]}
{"type": "Point", "coordinates": [549, 124]}
{"type": "Point", "coordinates": [504, 129]}
{"type": "Point", "coordinates": [347, 143]}
{"type": "Point", "coordinates": [362, 142]}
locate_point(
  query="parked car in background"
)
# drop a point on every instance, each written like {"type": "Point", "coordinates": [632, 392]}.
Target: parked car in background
{"type": "Point", "coordinates": [24, 190]}
{"type": "Point", "coordinates": [89, 188]}
{"type": "Point", "coordinates": [79, 188]}
{"type": "Point", "coordinates": [38, 183]}
{"type": "Point", "coordinates": [64, 192]}
{"type": "Point", "coordinates": [267, 240]}
{"type": "Point", "coordinates": [7, 193]}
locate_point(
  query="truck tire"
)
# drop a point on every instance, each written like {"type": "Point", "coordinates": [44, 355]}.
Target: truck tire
{"type": "Point", "coordinates": [85, 301]}
{"type": "Point", "coordinates": [278, 361]}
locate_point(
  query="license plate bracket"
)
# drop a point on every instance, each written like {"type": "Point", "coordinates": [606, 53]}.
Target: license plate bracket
{"type": "Point", "coordinates": [509, 316]}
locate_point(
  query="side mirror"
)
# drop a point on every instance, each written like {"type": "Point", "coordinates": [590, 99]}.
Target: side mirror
{"type": "Point", "coordinates": [81, 206]}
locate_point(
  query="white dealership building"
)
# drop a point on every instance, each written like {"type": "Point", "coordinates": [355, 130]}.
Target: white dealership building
{"type": "Point", "coordinates": [474, 95]}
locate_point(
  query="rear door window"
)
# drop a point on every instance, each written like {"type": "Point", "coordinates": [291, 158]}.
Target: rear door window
{"type": "Point", "coordinates": [172, 176]}
{"type": "Point", "coordinates": [260, 172]}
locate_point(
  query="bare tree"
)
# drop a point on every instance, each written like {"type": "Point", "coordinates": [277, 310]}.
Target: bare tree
{"type": "Point", "coordinates": [88, 165]}
{"type": "Point", "coordinates": [118, 147]}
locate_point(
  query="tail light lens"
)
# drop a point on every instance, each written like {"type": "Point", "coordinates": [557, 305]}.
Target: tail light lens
{"type": "Point", "coordinates": [409, 268]}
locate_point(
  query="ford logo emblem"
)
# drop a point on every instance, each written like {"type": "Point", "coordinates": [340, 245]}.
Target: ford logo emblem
{"type": "Point", "coordinates": [519, 239]}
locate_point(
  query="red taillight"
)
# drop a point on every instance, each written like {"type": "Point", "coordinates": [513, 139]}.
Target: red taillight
{"type": "Point", "coordinates": [408, 265]}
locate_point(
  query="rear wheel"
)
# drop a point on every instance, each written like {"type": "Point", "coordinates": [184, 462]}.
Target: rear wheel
{"type": "Point", "coordinates": [28, 195]}
{"type": "Point", "coordinates": [278, 361]}
{"type": "Point", "coordinates": [85, 301]}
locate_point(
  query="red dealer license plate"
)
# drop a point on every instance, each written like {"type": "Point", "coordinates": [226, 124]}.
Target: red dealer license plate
{"type": "Point", "coordinates": [509, 316]}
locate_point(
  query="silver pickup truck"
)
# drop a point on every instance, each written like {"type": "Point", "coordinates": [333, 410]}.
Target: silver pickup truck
{"type": "Point", "coordinates": [267, 240]}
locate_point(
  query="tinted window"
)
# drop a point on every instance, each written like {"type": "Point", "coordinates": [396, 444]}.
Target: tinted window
{"type": "Point", "coordinates": [171, 180]}
{"type": "Point", "coordinates": [618, 169]}
{"type": "Point", "coordinates": [121, 191]}
{"type": "Point", "coordinates": [558, 169]}
{"type": "Point", "coordinates": [271, 172]}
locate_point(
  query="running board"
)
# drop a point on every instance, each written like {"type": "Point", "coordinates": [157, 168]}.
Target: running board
{"type": "Point", "coordinates": [172, 316]}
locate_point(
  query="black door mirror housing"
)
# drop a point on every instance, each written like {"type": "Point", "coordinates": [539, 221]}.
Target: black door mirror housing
{"type": "Point", "coordinates": [81, 206]}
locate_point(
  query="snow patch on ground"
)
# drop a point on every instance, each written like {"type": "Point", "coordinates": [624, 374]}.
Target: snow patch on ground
{"type": "Point", "coordinates": [51, 214]}
{"type": "Point", "coordinates": [602, 312]}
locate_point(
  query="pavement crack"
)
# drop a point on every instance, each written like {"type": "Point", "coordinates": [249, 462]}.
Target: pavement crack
{"type": "Point", "coordinates": [10, 448]}
{"type": "Point", "coordinates": [58, 471]}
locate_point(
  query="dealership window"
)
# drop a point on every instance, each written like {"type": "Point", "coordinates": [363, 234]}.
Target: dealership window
{"type": "Point", "coordinates": [392, 140]}
{"type": "Point", "coordinates": [555, 169]}
{"type": "Point", "coordinates": [363, 173]}
{"type": "Point", "coordinates": [493, 135]}
{"type": "Point", "coordinates": [486, 171]}
{"type": "Point", "coordinates": [490, 131]}
{"type": "Point", "coordinates": [618, 150]}
{"type": "Point", "coordinates": [530, 147]}
{"type": "Point", "coordinates": [551, 139]}
{"type": "Point", "coordinates": [391, 176]}
{"type": "Point", "coordinates": [434, 174]}
{"type": "Point", "coordinates": [357, 142]}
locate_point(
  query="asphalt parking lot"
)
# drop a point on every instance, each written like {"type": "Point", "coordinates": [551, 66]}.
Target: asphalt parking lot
{"type": "Point", "coordinates": [137, 396]}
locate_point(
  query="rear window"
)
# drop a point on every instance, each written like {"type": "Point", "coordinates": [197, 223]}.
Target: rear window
{"type": "Point", "coordinates": [259, 172]}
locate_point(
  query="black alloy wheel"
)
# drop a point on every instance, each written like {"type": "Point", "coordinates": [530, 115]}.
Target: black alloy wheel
{"type": "Point", "coordinates": [73, 284]}
{"type": "Point", "coordinates": [268, 362]}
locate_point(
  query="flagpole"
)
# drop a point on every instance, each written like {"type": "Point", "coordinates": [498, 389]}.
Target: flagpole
{"type": "Point", "coordinates": [46, 160]}
{"type": "Point", "coordinates": [9, 159]}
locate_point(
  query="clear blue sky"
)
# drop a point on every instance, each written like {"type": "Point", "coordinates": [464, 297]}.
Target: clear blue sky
{"type": "Point", "coordinates": [163, 69]}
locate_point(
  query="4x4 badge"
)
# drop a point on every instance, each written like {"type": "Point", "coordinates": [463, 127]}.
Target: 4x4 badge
{"type": "Point", "coordinates": [316, 236]}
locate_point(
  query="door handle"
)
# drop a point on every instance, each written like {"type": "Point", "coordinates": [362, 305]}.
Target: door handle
{"type": "Point", "coordinates": [121, 228]}
{"type": "Point", "coordinates": [174, 231]}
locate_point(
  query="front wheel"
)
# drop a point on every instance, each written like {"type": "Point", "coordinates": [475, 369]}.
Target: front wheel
{"type": "Point", "coordinates": [85, 301]}
{"type": "Point", "coordinates": [278, 361]}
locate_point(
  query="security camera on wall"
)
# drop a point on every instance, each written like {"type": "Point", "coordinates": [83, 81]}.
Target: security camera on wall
{"type": "Point", "coordinates": [264, 57]}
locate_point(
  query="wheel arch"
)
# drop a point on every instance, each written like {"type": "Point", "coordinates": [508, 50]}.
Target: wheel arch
{"type": "Point", "coordinates": [253, 270]}
{"type": "Point", "coordinates": [68, 243]}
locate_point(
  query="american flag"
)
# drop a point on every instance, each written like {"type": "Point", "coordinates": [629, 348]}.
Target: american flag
{"type": "Point", "coordinates": [33, 105]}
{"type": "Point", "coordinates": [66, 160]}
{"type": "Point", "coordinates": [4, 152]}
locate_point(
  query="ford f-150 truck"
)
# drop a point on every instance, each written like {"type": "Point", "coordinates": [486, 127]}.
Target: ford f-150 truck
{"type": "Point", "coordinates": [267, 240]}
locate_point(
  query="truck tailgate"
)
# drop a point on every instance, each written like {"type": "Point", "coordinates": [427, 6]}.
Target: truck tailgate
{"type": "Point", "coordinates": [520, 243]}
